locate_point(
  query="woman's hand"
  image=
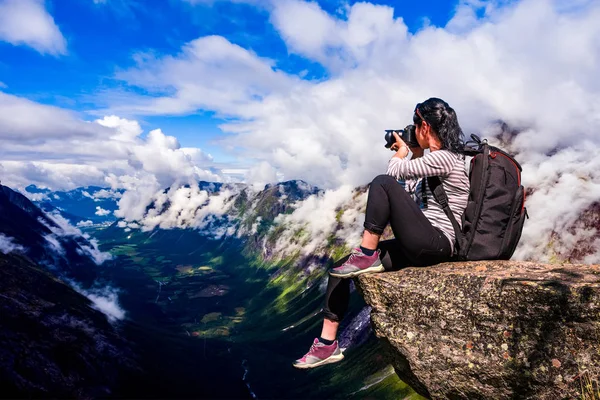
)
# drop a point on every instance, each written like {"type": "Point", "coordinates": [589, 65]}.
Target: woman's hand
{"type": "Point", "coordinates": [400, 147]}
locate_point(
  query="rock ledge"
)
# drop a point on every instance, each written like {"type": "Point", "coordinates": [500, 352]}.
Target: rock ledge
{"type": "Point", "coordinates": [490, 330]}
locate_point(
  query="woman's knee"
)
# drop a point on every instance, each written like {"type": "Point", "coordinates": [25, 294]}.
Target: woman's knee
{"type": "Point", "coordinates": [383, 180]}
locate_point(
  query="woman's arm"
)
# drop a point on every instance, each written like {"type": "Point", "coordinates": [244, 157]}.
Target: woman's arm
{"type": "Point", "coordinates": [435, 163]}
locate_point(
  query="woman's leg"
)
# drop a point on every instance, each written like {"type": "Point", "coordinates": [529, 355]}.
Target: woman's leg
{"type": "Point", "coordinates": [337, 298]}
{"type": "Point", "coordinates": [325, 349]}
{"type": "Point", "coordinates": [417, 239]}
{"type": "Point", "coordinates": [387, 202]}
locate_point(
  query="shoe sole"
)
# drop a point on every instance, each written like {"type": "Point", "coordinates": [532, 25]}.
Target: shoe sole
{"type": "Point", "coordinates": [354, 274]}
{"type": "Point", "coordinates": [329, 360]}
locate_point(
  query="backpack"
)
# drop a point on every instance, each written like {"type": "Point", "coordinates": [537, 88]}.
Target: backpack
{"type": "Point", "coordinates": [493, 219]}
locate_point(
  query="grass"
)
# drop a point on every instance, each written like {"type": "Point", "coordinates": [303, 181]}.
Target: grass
{"type": "Point", "coordinates": [590, 389]}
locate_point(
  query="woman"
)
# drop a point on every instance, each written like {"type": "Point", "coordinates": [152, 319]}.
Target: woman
{"type": "Point", "coordinates": [423, 235]}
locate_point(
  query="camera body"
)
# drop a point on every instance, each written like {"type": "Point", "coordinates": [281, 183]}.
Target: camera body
{"type": "Point", "coordinates": [407, 134]}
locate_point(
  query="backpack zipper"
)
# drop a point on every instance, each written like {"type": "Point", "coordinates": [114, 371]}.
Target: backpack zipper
{"type": "Point", "coordinates": [493, 154]}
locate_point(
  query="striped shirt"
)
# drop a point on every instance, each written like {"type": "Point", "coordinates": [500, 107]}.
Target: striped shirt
{"type": "Point", "coordinates": [450, 167]}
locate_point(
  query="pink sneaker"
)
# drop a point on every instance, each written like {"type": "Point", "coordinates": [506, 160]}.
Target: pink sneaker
{"type": "Point", "coordinates": [320, 354]}
{"type": "Point", "coordinates": [358, 263]}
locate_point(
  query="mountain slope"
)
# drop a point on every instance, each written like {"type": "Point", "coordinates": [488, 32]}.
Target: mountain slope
{"type": "Point", "coordinates": [52, 342]}
{"type": "Point", "coordinates": [46, 239]}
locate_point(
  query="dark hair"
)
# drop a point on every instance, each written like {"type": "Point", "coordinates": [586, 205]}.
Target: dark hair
{"type": "Point", "coordinates": [443, 121]}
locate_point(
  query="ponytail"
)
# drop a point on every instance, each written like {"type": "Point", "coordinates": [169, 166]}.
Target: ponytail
{"type": "Point", "coordinates": [443, 121]}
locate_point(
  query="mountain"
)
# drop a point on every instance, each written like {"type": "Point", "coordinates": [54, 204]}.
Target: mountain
{"type": "Point", "coordinates": [47, 239]}
{"type": "Point", "coordinates": [57, 338]}
{"type": "Point", "coordinates": [232, 276]}
{"type": "Point", "coordinates": [52, 342]}
{"type": "Point", "coordinates": [202, 319]}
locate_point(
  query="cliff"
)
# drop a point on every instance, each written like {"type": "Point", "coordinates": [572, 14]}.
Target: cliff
{"type": "Point", "coordinates": [490, 330]}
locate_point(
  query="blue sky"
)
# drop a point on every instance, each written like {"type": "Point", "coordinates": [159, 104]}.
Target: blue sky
{"type": "Point", "coordinates": [103, 36]}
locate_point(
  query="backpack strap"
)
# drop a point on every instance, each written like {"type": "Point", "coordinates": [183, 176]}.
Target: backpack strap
{"type": "Point", "coordinates": [440, 195]}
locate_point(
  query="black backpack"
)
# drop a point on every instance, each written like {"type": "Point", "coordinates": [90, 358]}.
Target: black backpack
{"type": "Point", "coordinates": [493, 219]}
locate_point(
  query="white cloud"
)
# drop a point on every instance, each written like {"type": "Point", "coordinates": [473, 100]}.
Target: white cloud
{"type": "Point", "coordinates": [261, 174]}
{"type": "Point", "coordinates": [84, 224]}
{"type": "Point", "coordinates": [209, 73]}
{"type": "Point", "coordinates": [92, 251]}
{"type": "Point", "coordinates": [188, 207]}
{"type": "Point", "coordinates": [29, 121]}
{"type": "Point", "coordinates": [51, 147]}
{"type": "Point", "coordinates": [317, 218]}
{"type": "Point", "coordinates": [64, 228]}
{"type": "Point", "coordinates": [107, 302]}
{"type": "Point", "coordinates": [55, 244]}
{"type": "Point", "coordinates": [107, 194]}
{"type": "Point", "coordinates": [105, 299]}
{"type": "Point", "coordinates": [27, 22]}
{"type": "Point", "coordinates": [3, 85]}
{"type": "Point", "coordinates": [102, 212]}
{"type": "Point", "coordinates": [329, 132]}
{"type": "Point", "coordinates": [8, 245]}
{"type": "Point", "coordinates": [339, 43]}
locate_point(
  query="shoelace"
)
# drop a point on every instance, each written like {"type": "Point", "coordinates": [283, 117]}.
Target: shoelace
{"type": "Point", "coordinates": [353, 255]}
{"type": "Point", "coordinates": [312, 347]}
{"type": "Point", "coordinates": [356, 253]}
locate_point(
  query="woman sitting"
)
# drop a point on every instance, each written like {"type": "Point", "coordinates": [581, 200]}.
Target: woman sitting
{"type": "Point", "coordinates": [423, 233]}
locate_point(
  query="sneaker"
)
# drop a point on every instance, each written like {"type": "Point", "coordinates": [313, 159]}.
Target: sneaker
{"type": "Point", "coordinates": [358, 263]}
{"type": "Point", "coordinates": [320, 354]}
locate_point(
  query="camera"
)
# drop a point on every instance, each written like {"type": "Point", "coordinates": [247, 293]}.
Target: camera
{"type": "Point", "coordinates": [407, 134]}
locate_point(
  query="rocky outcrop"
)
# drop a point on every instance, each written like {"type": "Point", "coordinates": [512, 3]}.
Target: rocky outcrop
{"type": "Point", "coordinates": [490, 330]}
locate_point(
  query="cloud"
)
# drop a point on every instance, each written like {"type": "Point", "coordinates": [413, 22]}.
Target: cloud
{"type": "Point", "coordinates": [338, 43]}
{"type": "Point", "coordinates": [3, 85]}
{"type": "Point", "coordinates": [84, 224]}
{"type": "Point", "coordinates": [27, 22]}
{"type": "Point", "coordinates": [261, 174]}
{"type": "Point", "coordinates": [106, 301]}
{"type": "Point", "coordinates": [29, 122]}
{"type": "Point", "coordinates": [104, 298]}
{"type": "Point", "coordinates": [319, 131]}
{"type": "Point", "coordinates": [188, 207]}
{"type": "Point", "coordinates": [51, 147]}
{"type": "Point", "coordinates": [102, 212]}
{"type": "Point", "coordinates": [315, 219]}
{"type": "Point", "coordinates": [63, 228]}
{"type": "Point", "coordinates": [209, 73]}
{"type": "Point", "coordinates": [8, 245]}
{"type": "Point", "coordinates": [92, 251]}
{"type": "Point", "coordinates": [106, 194]}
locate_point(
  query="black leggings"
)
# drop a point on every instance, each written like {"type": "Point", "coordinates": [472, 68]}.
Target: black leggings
{"type": "Point", "coordinates": [417, 243]}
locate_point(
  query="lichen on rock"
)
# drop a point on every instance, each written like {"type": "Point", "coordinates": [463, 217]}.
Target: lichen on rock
{"type": "Point", "coordinates": [491, 329]}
